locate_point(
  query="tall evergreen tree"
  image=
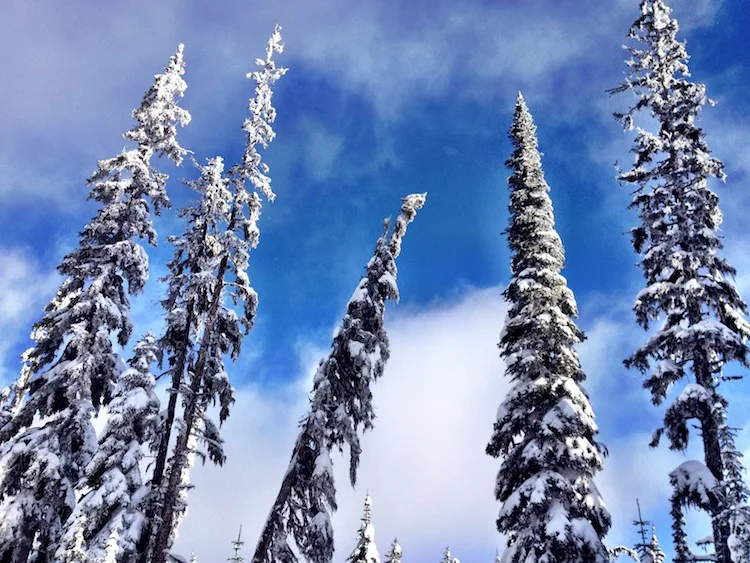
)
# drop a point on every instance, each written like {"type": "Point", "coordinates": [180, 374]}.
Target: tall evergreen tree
{"type": "Point", "coordinates": [366, 551]}
{"type": "Point", "coordinates": [203, 325]}
{"type": "Point", "coordinates": [394, 553]}
{"type": "Point", "coordinates": [687, 279]}
{"type": "Point", "coordinates": [112, 504]}
{"type": "Point", "coordinates": [340, 409]}
{"type": "Point", "coordinates": [545, 430]}
{"type": "Point", "coordinates": [73, 367]}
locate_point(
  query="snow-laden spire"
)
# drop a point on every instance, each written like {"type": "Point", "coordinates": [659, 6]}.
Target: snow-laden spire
{"type": "Point", "coordinates": [340, 411]}
{"type": "Point", "coordinates": [73, 367]}
{"type": "Point", "coordinates": [545, 429]}
{"type": "Point", "coordinates": [448, 557]}
{"type": "Point", "coordinates": [366, 551]}
{"type": "Point", "coordinates": [409, 207]}
{"type": "Point", "coordinates": [262, 115]}
{"type": "Point", "coordinates": [688, 283]}
{"type": "Point", "coordinates": [394, 552]}
{"type": "Point", "coordinates": [159, 114]}
{"type": "Point", "coordinates": [367, 515]}
{"type": "Point", "coordinates": [655, 554]}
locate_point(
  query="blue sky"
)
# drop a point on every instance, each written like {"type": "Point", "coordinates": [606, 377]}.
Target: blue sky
{"type": "Point", "coordinates": [381, 99]}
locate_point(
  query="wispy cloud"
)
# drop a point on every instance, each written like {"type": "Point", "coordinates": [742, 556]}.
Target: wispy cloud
{"type": "Point", "coordinates": [26, 287]}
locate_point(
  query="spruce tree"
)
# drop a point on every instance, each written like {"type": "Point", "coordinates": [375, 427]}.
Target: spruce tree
{"type": "Point", "coordinates": [688, 282]}
{"type": "Point", "coordinates": [366, 551]}
{"type": "Point", "coordinates": [447, 557]}
{"type": "Point", "coordinates": [655, 554]}
{"type": "Point", "coordinates": [340, 409]}
{"type": "Point", "coordinates": [72, 369]}
{"type": "Point", "coordinates": [394, 553]}
{"type": "Point", "coordinates": [545, 429]}
{"type": "Point", "coordinates": [114, 490]}
{"type": "Point", "coordinates": [203, 325]}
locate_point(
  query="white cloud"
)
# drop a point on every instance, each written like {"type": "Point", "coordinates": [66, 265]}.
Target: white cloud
{"type": "Point", "coordinates": [424, 464]}
{"type": "Point", "coordinates": [322, 148]}
{"type": "Point", "coordinates": [26, 287]}
{"type": "Point", "coordinates": [79, 73]}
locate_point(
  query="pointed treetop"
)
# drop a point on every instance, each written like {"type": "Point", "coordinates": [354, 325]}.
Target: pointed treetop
{"type": "Point", "coordinates": [366, 550]}
{"type": "Point", "coordinates": [409, 207]}
{"type": "Point", "coordinates": [394, 553]}
{"type": "Point", "coordinates": [159, 113]}
{"type": "Point", "coordinates": [237, 545]}
{"type": "Point", "coordinates": [448, 557]}
{"type": "Point", "coordinates": [642, 526]}
{"type": "Point", "coordinates": [367, 517]}
{"type": "Point", "coordinates": [258, 126]}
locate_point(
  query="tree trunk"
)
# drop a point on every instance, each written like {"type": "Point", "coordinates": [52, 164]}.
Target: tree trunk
{"type": "Point", "coordinates": [163, 452]}
{"type": "Point", "coordinates": [164, 528]}
{"type": "Point", "coordinates": [711, 446]}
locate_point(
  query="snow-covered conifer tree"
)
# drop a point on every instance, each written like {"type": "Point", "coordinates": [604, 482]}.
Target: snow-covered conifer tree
{"type": "Point", "coordinates": [545, 429]}
{"type": "Point", "coordinates": [203, 326]}
{"type": "Point", "coordinates": [112, 504]}
{"type": "Point", "coordinates": [448, 557]}
{"type": "Point", "coordinates": [340, 409]}
{"type": "Point", "coordinates": [73, 367]}
{"type": "Point", "coordinates": [394, 553]}
{"type": "Point", "coordinates": [654, 554]}
{"type": "Point", "coordinates": [366, 551]}
{"type": "Point", "coordinates": [688, 282]}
